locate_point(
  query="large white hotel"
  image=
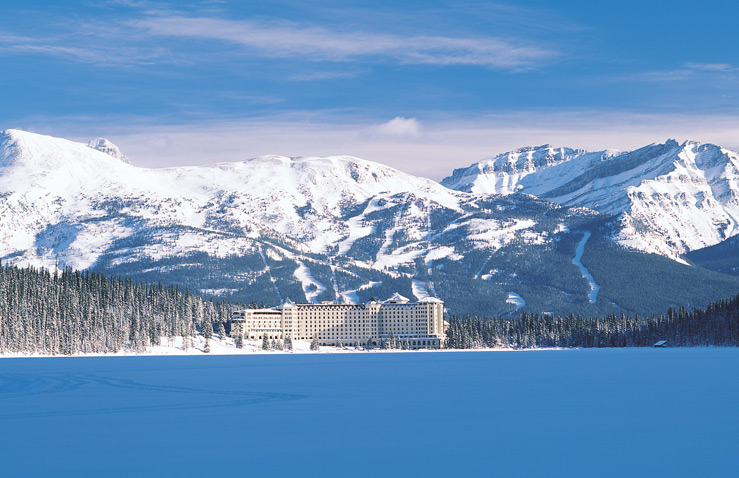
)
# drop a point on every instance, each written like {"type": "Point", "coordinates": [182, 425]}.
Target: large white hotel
{"type": "Point", "coordinates": [418, 324]}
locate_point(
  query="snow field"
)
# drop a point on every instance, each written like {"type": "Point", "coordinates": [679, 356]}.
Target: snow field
{"type": "Point", "coordinates": [608, 412]}
{"type": "Point", "coordinates": [516, 300]}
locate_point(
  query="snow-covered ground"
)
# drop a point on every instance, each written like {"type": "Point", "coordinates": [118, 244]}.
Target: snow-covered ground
{"type": "Point", "coordinates": [196, 346]}
{"type": "Point", "coordinates": [605, 412]}
{"type": "Point", "coordinates": [227, 347]}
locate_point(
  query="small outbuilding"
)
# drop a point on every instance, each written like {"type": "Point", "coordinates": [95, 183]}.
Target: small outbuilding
{"type": "Point", "coordinates": [661, 343]}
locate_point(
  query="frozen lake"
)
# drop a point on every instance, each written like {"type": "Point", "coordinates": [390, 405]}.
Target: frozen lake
{"type": "Point", "coordinates": [643, 412]}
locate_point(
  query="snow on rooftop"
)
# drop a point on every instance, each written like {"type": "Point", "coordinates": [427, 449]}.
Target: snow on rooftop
{"type": "Point", "coordinates": [288, 304]}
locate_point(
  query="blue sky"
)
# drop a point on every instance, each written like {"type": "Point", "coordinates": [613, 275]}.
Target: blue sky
{"type": "Point", "coordinates": [423, 86]}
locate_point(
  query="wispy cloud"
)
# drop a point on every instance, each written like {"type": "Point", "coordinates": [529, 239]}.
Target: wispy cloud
{"type": "Point", "coordinates": [684, 72]}
{"type": "Point", "coordinates": [98, 53]}
{"type": "Point", "coordinates": [324, 75]}
{"type": "Point", "coordinates": [290, 40]}
{"type": "Point", "coordinates": [715, 67]}
{"type": "Point", "coordinates": [154, 32]}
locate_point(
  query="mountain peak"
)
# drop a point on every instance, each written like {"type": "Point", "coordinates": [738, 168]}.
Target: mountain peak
{"type": "Point", "coordinates": [333, 168]}
{"type": "Point", "coordinates": [43, 152]}
{"type": "Point", "coordinates": [105, 146]}
{"type": "Point", "coordinates": [479, 177]}
{"type": "Point", "coordinates": [528, 157]}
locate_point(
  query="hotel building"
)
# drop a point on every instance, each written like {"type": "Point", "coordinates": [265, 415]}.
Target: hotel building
{"type": "Point", "coordinates": [419, 324]}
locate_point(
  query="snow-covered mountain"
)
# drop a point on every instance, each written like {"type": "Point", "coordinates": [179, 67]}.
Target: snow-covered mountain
{"type": "Point", "coordinates": [342, 228]}
{"type": "Point", "coordinates": [323, 228]}
{"type": "Point", "coordinates": [669, 198]}
{"type": "Point", "coordinates": [64, 202]}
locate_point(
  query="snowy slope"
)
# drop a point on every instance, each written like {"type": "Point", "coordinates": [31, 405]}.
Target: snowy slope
{"type": "Point", "coordinates": [269, 227]}
{"type": "Point", "coordinates": [342, 228]}
{"type": "Point", "coordinates": [670, 198]}
{"type": "Point", "coordinates": [54, 190]}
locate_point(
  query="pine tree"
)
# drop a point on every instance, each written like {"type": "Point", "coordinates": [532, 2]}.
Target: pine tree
{"type": "Point", "coordinates": [207, 329]}
{"type": "Point", "coordinates": [314, 344]}
{"type": "Point", "coordinates": [221, 330]}
{"type": "Point", "coordinates": [265, 342]}
{"type": "Point", "coordinates": [206, 348]}
{"type": "Point", "coordinates": [239, 341]}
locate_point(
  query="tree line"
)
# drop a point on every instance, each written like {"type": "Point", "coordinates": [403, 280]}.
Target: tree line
{"type": "Point", "coordinates": [69, 312]}
{"type": "Point", "coordinates": [716, 325]}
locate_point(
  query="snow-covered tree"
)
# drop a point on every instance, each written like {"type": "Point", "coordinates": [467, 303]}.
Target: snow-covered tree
{"type": "Point", "coordinates": [207, 329]}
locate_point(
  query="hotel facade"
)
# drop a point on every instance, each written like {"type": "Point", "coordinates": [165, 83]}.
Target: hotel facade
{"type": "Point", "coordinates": [417, 324]}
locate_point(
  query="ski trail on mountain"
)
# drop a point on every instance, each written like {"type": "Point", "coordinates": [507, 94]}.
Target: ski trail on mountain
{"type": "Point", "coordinates": [594, 288]}
{"type": "Point", "coordinates": [334, 282]}
{"type": "Point", "coordinates": [305, 276]}
{"type": "Point", "coordinates": [516, 300]}
{"type": "Point", "coordinates": [269, 271]}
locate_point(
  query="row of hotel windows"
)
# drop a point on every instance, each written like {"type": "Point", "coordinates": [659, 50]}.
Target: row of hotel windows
{"type": "Point", "coordinates": [374, 341]}
{"type": "Point", "coordinates": [382, 319]}
{"type": "Point", "coordinates": [342, 326]}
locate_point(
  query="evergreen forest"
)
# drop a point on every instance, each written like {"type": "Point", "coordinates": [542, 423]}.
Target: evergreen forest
{"type": "Point", "coordinates": [70, 312]}
{"type": "Point", "coordinates": [715, 325]}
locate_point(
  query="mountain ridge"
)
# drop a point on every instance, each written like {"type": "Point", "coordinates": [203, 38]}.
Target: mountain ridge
{"type": "Point", "coordinates": [314, 229]}
{"type": "Point", "coordinates": [669, 198]}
